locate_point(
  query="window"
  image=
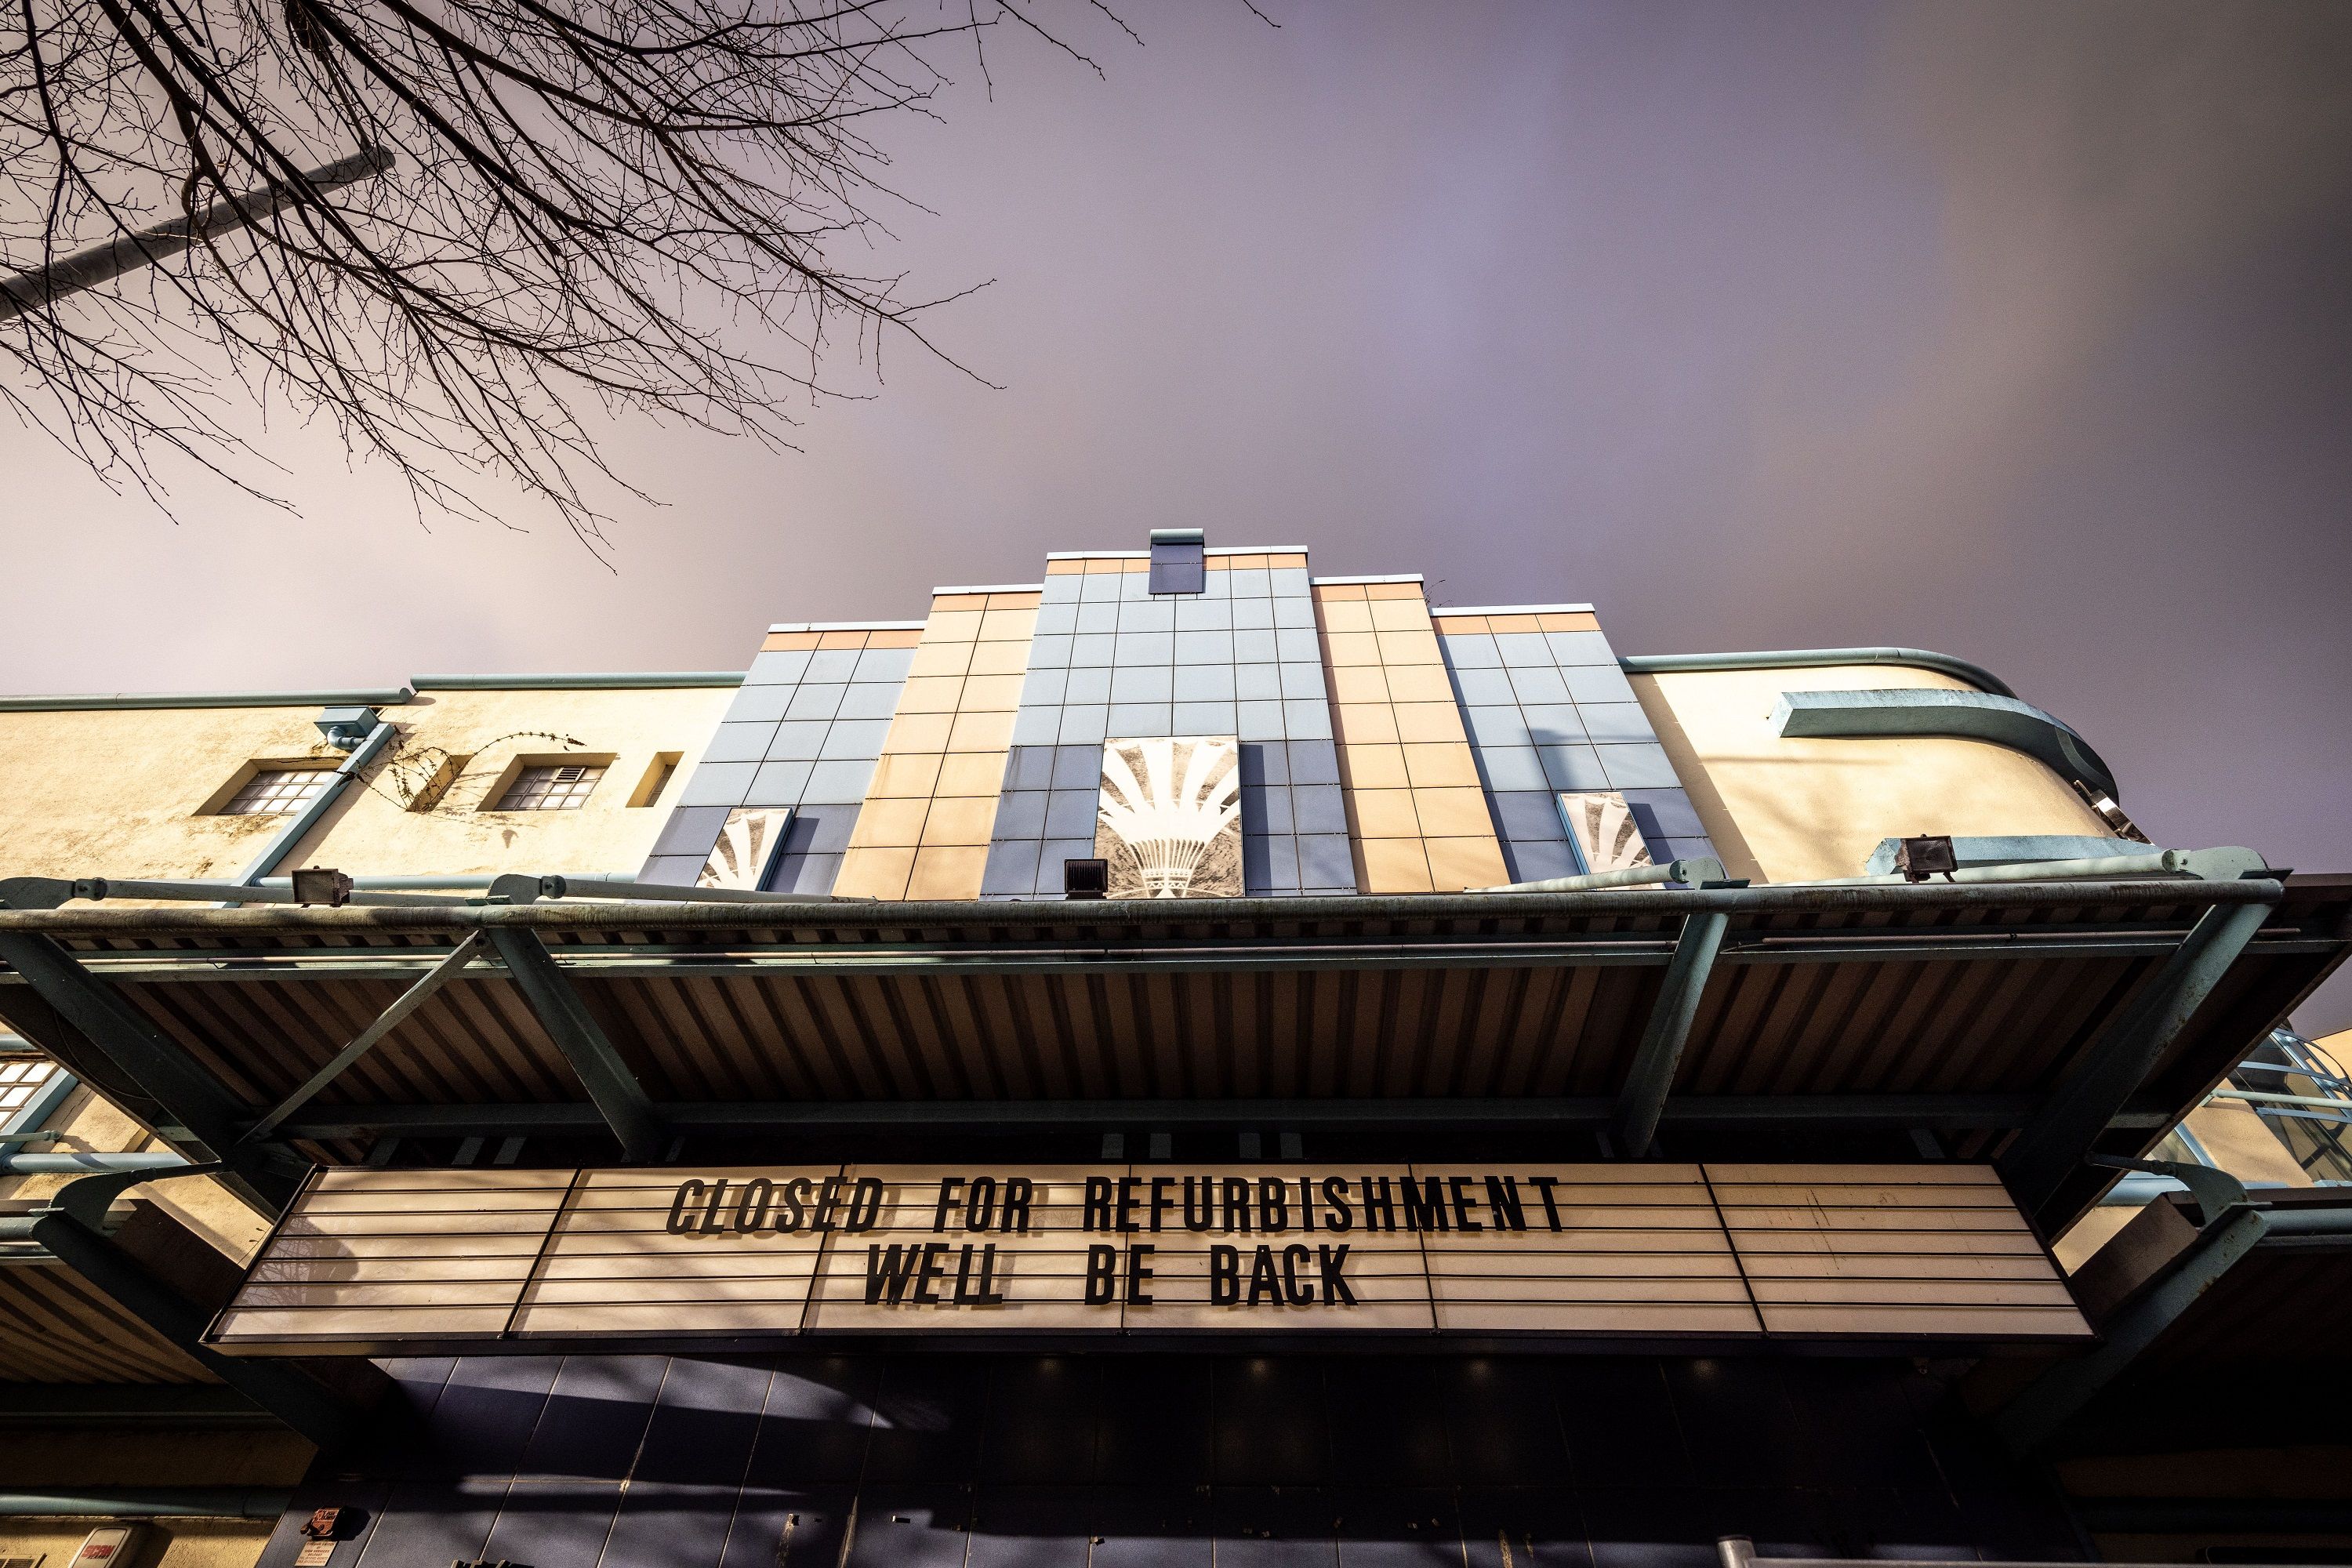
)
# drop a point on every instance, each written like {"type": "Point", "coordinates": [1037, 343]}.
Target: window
{"type": "Point", "coordinates": [1178, 561]}
{"type": "Point", "coordinates": [564, 788]}
{"type": "Point", "coordinates": [275, 791]}
{"type": "Point", "coordinates": [663, 768]}
{"type": "Point", "coordinates": [21, 1078]}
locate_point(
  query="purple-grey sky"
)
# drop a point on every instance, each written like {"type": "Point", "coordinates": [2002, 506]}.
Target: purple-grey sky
{"type": "Point", "coordinates": [2019, 332]}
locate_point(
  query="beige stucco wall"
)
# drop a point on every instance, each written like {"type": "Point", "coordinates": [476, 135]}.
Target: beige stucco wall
{"type": "Point", "coordinates": [2236, 1140]}
{"type": "Point", "coordinates": [1783, 810]}
{"type": "Point", "coordinates": [162, 1544]}
{"type": "Point", "coordinates": [123, 793]}
{"type": "Point", "coordinates": [88, 1124]}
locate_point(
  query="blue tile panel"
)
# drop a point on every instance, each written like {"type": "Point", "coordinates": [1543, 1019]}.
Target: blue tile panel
{"type": "Point", "coordinates": [1239, 658]}
{"type": "Point", "coordinates": [1551, 712]}
{"type": "Point", "coordinates": [804, 731]}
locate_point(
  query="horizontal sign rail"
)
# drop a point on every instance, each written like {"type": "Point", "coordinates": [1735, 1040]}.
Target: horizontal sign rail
{"type": "Point", "coordinates": [371, 1261]}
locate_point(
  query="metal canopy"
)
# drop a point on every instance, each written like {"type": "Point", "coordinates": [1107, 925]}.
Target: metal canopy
{"type": "Point", "coordinates": [1958, 1008]}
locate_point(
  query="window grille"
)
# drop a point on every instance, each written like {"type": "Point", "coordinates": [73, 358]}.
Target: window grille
{"type": "Point", "coordinates": [273, 791]}
{"type": "Point", "coordinates": [21, 1078]}
{"type": "Point", "coordinates": [554, 788]}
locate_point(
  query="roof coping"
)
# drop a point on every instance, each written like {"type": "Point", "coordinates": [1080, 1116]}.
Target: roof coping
{"type": "Point", "coordinates": [93, 701]}
{"type": "Point", "coordinates": [608, 680]}
{"type": "Point", "coordinates": [1145, 554]}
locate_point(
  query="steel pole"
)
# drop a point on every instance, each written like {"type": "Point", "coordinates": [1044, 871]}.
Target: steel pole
{"type": "Point", "coordinates": [23, 291]}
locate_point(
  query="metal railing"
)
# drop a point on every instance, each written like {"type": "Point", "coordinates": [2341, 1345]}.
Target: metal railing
{"type": "Point", "coordinates": [2303, 1096]}
{"type": "Point", "coordinates": [1739, 1552]}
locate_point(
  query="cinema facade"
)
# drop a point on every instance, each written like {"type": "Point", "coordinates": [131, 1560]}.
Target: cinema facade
{"type": "Point", "coordinates": [1183, 1061]}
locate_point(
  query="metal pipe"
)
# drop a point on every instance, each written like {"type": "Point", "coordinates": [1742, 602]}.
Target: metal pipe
{"type": "Point", "coordinates": [2161, 863]}
{"type": "Point", "coordinates": [24, 291]}
{"type": "Point", "coordinates": [230, 895]}
{"type": "Point", "coordinates": [468, 882]}
{"type": "Point", "coordinates": [80, 1163]}
{"type": "Point", "coordinates": [1696, 871]}
{"type": "Point", "coordinates": [1816, 658]}
{"type": "Point", "coordinates": [143, 1502]}
{"type": "Point", "coordinates": [1790, 897]}
{"type": "Point", "coordinates": [650, 892]}
{"type": "Point", "coordinates": [286, 838]}
{"type": "Point", "coordinates": [2335, 1221]}
{"type": "Point", "coordinates": [2258, 1098]}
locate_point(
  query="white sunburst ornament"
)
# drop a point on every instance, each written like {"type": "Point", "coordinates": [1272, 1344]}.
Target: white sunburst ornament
{"type": "Point", "coordinates": [1165, 801]}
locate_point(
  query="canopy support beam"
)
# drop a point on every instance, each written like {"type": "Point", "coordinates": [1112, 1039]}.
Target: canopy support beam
{"type": "Point", "coordinates": [198, 1116]}
{"type": "Point", "coordinates": [620, 1099]}
{"type": "Point", "coordinates": [408, 1002]}
{"type": "Point", "coordinates": [2115, 1064]}
{"type": "Point", "coordinates": [1651, 1077]}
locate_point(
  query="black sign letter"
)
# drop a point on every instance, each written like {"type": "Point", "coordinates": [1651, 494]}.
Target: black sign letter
{"type": "Point", "coordinates": [1336, 1290]}
{"type": "Point", "coordinates": [1018, 1191]}
{"type": "Point", "coordinates": [1138, 1274]}
{"type": "Point", "coordinates": [1424, 1206]}
{"type": "Point", "coordinates": [888, 1269]}
{"type": "Point", "coordinates": [1296, 1292]}
{"type": "Point", "coordinates": [1273, 1204]}
{"type": "Point", "coordinates": [865, 1205]}
{"type": "Point", "coordinates": [1224, 1275]}
{"type": "Point", "coordinates": [1102, 1275]}
{"type": "Point", "coordinates": [1457, 1188]}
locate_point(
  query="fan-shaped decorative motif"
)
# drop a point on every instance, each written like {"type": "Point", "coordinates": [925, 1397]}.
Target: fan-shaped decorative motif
{"type": "Point", "coordinates": [1170, 817]}
{"type": "Point", "coordinates": [747, 847]}
{"type": "Point", "coordinates": [1605, 831]}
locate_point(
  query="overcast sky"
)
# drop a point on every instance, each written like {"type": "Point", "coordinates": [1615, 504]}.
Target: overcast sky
{"type": "Point", "coordinates": [2015, 331]}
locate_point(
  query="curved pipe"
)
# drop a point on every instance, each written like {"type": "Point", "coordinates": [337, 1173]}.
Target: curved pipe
{"type": "Point", "coordinates": [1975, 675]}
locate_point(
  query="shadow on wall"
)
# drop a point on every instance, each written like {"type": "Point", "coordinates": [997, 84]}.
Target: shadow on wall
{"type": "Point", "coordinates": [967, 1459]}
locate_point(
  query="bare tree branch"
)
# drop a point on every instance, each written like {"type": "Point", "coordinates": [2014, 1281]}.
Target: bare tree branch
{"type": "Point", "coordinates": [594, 206]}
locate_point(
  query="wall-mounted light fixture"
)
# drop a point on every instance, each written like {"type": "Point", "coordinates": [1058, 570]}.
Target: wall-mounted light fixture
{"type": "Point", "coordinates": [1930, 854]}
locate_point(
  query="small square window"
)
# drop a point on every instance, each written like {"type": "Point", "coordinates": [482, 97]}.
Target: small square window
{"type": "Point", "coordinates": [564, 788]}
{"type": "Point", "coordinates": [1179, 562]}
{"type": "Point", "coordinates": [273, 791]}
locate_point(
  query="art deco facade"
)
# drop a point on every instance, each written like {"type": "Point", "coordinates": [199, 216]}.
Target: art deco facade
{"type": "Point", "coordinates": [1179, 1061]}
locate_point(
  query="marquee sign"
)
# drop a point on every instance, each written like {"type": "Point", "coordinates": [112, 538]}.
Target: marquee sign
{"type": "Point", "coordinates": [371, 1261]}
